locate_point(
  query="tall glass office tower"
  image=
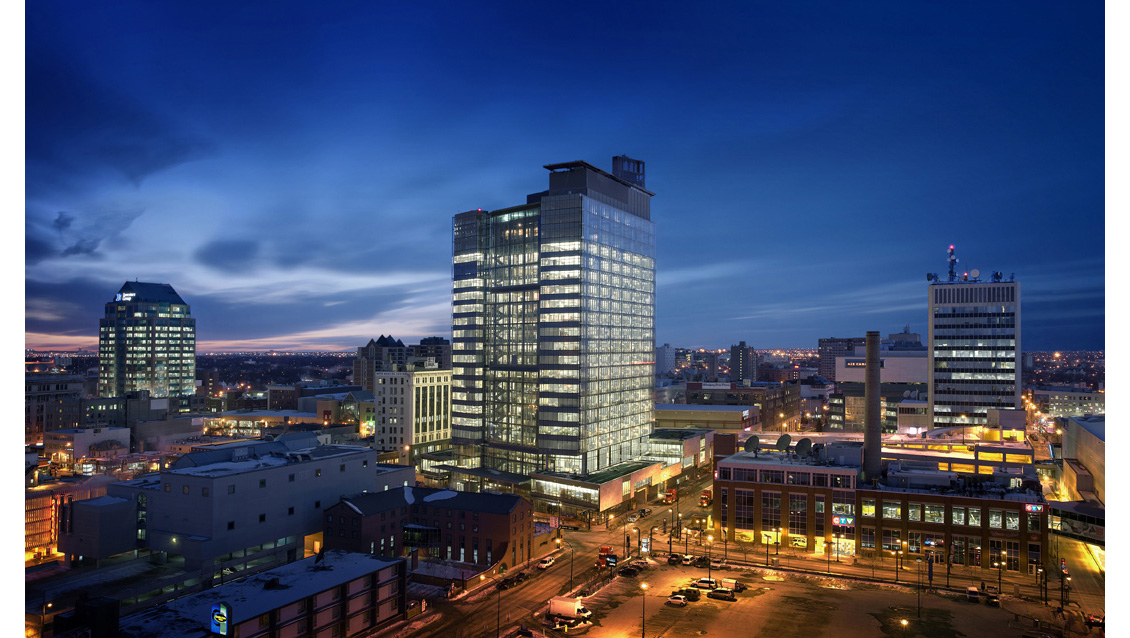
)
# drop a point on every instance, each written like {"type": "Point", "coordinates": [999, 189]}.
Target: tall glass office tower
{"type": "Point", "coordinates": [974, 355]}
{"type": "Point", "coordinates": [147, 341]}
{"type": "Point", "coordinates": [553, 316]}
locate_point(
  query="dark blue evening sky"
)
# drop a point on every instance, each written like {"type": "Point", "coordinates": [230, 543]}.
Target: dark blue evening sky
{"type": "Point", "coordinates": [292, 169]}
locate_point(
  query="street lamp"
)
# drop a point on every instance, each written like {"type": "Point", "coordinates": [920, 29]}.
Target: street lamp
{"type": "Point", "coordinates": [919, 587]}
{"type": "Point", "coordinates": [639, 540]}
{"type": "Point", "coordinates": [708, 542]}
{"type": "Point", "coordinates": [767, 537]}
{"type": "Point", "coordinates": [558, 540]}
{"type": "Point", "coordinates": [903, 622]}
{"type": "Point", "coordinates": [828, 554]}
{"type": "Point", "coordinates": [1041, 574]}
{"type": "Point", "coordinates": [643, 611]}
{"type": "Point", "coordinates": [777, 542]}
{"type": "Point", "coordinates": [498, 608]}
{"type": "Point", "coordinates": [896, 557]}
{"type": "Point", "coordinates": [837, 537]}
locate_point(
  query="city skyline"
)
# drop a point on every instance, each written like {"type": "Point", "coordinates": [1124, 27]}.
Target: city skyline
{"type": "Point", "coordinates": [293, 176]}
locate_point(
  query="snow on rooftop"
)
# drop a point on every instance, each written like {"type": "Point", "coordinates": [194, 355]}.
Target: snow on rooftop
{"type": "Point", "coordinates": [353, 507]}
{"type": "Point", "coordinates": [251, 597]}
{"type": "Point", "coordinates": [230, 467]}
{"type": "Point", "coordinates": [439, 496]}
{"type": "Point", "coordinates": [104, 500]}
{"type": "Point", "coordinates": [409, 497]}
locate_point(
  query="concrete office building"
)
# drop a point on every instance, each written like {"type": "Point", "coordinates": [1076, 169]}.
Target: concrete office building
{"type": "Point", "coordinates": [413, 412]}
{"type": "Point", "coordinates": [847, 407]}
{"type": "Point", "coordinates": [147, 341]}
{"type": "Point", "coordinates": [553, 326]}
{"type": "Point", "coordinates": [1066, 401]}
{"type": "Point", "coordinates": [777, 404]}
{"type": "Point", "coordinates": [974, 346]}
{"type": "Point", "coordinates": [50, 403]}
{"type": "Point", "coordinates": [254, 505]}
{"type": "Point", "coordinates": [895, 366]}
{"type": "Point", "coordinates": [337, 594]}
{"type": "Point", "coordinates": [721, 418]}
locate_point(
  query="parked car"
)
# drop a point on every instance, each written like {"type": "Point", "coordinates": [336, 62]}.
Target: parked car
{"type": "Point", "coordinates": [1096, 621]}
{"type": "Point", "coordinates": [688, 559]}
{"type": "Point", "coordinates": [690, 593]}
{"type": "Point", "coordinates": [706, 583]}
{"type": "Point", "coordinates": [736, 585]}
{"type": "Point", "coordinates": [715, 563]}
{"type": "Point", "coordinates": [640, 564]}
{"type": "Point", "coordinates": [701, 561]}
{"type": "Point", "coordinates": [722, 594]}
{"type": "Point", "coordinates": [507, 583]}
{"type": "Point", "coordinates": [644, 512]}
{"type": "Point", "coordinates": [520, 577]}
{"type": "Point", "coordinates": [674, 559]}
{"type": "Point", "coordinates": [629, 571]}
{"type": "Point", "coordinates": [678, 600]}
{"type": "Point", "coordinates": [545, 562]}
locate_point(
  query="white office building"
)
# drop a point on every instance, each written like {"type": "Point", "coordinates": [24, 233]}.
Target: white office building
{"type": "Point", "coordinates": [974, 347]}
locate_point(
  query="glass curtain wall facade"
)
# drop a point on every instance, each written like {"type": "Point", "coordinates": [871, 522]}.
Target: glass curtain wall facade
{"type": "Point", "coordinates": [553, 327]}
{"type": "Point", "coordinates": [147, 341]}
{"type": "Point", "coordinates": [974, 355]}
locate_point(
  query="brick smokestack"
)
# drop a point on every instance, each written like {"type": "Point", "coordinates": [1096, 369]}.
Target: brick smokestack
{"type": "Point", "coordinates": [873, 421]}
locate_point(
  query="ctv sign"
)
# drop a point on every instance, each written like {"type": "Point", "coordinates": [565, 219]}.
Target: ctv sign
{"type": "Point", "coordinates": [1034, 509]}
{"type": "Point", "coordinates": [844, 521]}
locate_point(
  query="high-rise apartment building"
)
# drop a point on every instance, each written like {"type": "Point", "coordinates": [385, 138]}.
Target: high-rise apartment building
{"type": "Point", "coordinates": [554, 325]}
{"type": "Point", "coordinates": [388, 354]}
{"type": "Point", "coordinates": [833, 347]}
{"type": "Point", "coordinates": [743, 363]}
{"type": "Point", "coordinates": [664, 359]}
{"type": "Point", "coordinates": [974, 347]}
{"type": "Point", "coordinates": [147, 341]}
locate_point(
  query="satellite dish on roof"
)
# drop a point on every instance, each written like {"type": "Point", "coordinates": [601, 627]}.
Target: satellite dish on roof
{"type": "Point", "coordinates": [783, 442]}
{"type": "Point", "coordinates": [803, 446]}
{"type": "Point", "coordinates": [751, 444]}
{"type": "Point", "coordinates": [974, 273]}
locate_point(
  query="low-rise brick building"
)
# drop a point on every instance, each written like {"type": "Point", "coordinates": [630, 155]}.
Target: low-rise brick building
{"type": "Point", "coordinates": [469, 527]}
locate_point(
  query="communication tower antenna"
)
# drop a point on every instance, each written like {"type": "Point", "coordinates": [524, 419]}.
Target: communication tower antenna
{"type": "Point", "coordinates": [953, 265]}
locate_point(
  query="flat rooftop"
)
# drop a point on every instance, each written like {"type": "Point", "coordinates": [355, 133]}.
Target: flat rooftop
{"type": "Point", "coordinates": [678, 434]}
{"type": "Point", "coordinates": [251, 597]}
{"type": "Point", "coordinates": [685, 407]}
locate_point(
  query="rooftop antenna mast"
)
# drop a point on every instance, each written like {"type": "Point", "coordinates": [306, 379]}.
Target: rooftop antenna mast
{"type": "Point", "coordinates": [953, 265]}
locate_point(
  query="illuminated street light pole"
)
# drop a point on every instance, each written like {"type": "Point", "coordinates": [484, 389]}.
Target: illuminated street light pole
{"type": "Point", "coordinates": [498, 608]}
{"type": "Point", "coordinates": [919, 587]}
{"type": "Point", "coordinates": [643, 611]}
{"type": "Point", "coordinates": [558, 540]}
{"type": "Point", "coordinates": [708, 543]}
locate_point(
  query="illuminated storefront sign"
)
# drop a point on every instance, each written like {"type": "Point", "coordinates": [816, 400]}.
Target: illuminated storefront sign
{"type": "Point", "coordinates": [1035, 509]}
{"type": "Point", "coordinates": [844, 521]}
{"type": "Point", "coordinates": [221, 619]}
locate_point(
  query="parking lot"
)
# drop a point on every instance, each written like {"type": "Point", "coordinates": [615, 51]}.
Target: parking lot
{"type": "Point", "coordinates": [783, 606]}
